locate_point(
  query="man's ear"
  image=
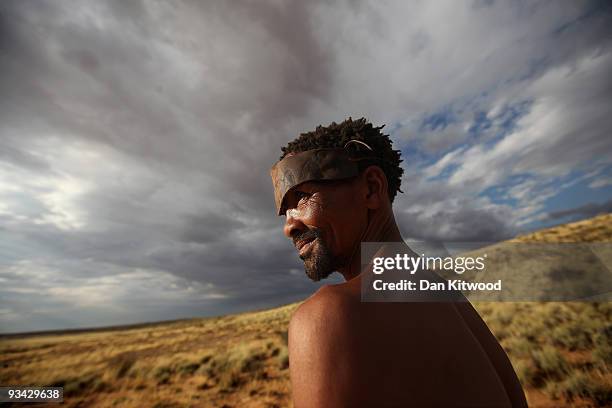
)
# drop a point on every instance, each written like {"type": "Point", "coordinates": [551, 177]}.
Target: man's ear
{"type": "Point", "coordinates": [376, 187]}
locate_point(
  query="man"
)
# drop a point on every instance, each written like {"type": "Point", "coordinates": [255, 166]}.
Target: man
{"type": "Point", "coordinates": [335, 187]}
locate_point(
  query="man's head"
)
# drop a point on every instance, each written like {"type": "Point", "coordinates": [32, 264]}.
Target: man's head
{"type": "Point", "coordinates": [327, 183]}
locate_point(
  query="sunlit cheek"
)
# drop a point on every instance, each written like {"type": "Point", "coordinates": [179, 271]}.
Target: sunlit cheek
{"type": "Point", "coordinates": [314, 211]}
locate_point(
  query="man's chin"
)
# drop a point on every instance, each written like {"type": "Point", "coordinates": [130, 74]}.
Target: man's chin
{"type": "Point", "coordinates": [318, 261]}
{"type": "Point", "coordinates": [317, 267]}
{"type": "Point", "coordinates": [316, 275]}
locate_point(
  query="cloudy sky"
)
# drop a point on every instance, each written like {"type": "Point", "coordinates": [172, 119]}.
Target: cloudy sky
{"type": "Point", "coordinates": [136, 138]}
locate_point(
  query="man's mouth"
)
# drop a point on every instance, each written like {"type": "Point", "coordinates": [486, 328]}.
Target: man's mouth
{"type": "Point", "coordinates": [304, 246]}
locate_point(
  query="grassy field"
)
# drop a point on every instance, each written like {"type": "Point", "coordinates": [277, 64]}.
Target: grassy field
{"type": "Point", "coordinates": [562, 353]}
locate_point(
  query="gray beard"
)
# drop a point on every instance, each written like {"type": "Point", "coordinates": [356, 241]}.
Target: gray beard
{"type": "Point", "coordinates": [320, 263]}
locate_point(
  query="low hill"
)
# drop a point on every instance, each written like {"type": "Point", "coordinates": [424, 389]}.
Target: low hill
{"type": "Point", "coordinates": [565, 263]}
{"type": "Point", "coordinates": [597, 229]}
{"type": "Point", "coordinates": [561, 351]}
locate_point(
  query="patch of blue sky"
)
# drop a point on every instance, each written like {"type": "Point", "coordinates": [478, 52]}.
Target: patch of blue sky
{"type": "Point", "coordinates": [480, 124]}
{"type": "Point", "coordinates": [576, 195]}
{"type": "Point", "coordinates": [438, 120]}
{"type": "Point", "coordinates": [491, 129]}
{"type": "Point", "coordinates": [499, 193]}
{"type": "Point", "coordinates": [412, 154]}
{"type": "Point", "coordinates": [445, 173]}
{"type": "Point", "coordinates": [413, 150]}
{"type": "Point", "coordinates": [485, 129]}
{"type": "Point", "coordinates": [512, 113]}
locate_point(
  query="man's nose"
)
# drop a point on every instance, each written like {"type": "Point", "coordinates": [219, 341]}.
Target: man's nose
{"type": "Point", "coordinates": [292, 223]}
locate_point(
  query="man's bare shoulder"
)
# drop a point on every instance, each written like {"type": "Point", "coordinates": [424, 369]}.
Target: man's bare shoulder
{"type": "Point", "coordinates": [336, 338]}
{"type": "Point", "coordinates": [329, 308]}
{"type": "Point", "coordinates": [338, 310]}
{"type": "Point", "coordinates": [320, 351]}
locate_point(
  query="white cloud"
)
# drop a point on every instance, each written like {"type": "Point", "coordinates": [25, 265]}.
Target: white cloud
{"type": "Point", "coordinates": [601, 182]}
{"type": "Point", "coordinates": [564, 131]}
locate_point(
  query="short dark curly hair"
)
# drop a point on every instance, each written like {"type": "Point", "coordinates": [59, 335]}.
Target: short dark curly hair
{"type": "Point", "coordinates": [338, 134]}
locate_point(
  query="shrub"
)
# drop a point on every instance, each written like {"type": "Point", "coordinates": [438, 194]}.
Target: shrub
{"type": "Point", "coordinates": [525, 371]}
{"type": "Point", "coordinates": [518, 346]}
{"type": "Point", "coordinates": [571, 336]}
{"type": "Point", "coordinates": [549, 365]}
{"type": "Point", "coordinates": [581, 385]}
{"type": "Point", "coordinates": [239, 365]}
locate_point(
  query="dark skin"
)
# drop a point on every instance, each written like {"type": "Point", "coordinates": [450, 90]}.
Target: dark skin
{"type": "Point", "coordinates": [348, 353]}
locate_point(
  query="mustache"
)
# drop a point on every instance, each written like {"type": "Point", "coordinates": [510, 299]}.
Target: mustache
{"type": "Point", "coordinates": [308, 235]}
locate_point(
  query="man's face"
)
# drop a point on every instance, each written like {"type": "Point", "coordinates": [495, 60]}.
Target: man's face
{"type": "Point", "coordinates": [325, 221]}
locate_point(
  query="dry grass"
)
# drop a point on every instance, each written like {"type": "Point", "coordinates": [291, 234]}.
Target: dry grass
{"type": "Point", "coordinates": [239, 360]}
{"type": "Point", "coordinates": [561, 351]}
{"type": "Point", "coordinates": [598, 229]}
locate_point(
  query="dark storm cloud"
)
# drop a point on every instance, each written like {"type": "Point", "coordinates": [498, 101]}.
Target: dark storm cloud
{"type": "Point", "coordinates": [468, 225]}
{"type": "Point", "coordinates": [144, 86]}
{"type": "Point", "coordinates": [208, 228]}
{"type": "Point", "coordinates": [434, 211]}
{"type": "Point", "coordinates": [181, 127]}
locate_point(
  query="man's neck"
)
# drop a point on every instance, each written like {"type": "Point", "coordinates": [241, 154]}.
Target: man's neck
{"type": "Point", "coordinates": [381, 228]}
